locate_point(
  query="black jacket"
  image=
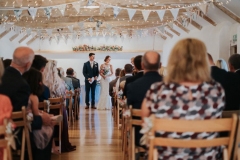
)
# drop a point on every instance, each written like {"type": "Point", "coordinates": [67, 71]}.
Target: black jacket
{"type": "Point", "coordinates": [90, 72]}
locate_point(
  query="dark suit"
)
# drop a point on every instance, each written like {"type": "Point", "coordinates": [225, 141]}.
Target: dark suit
{"type": "Point", "coordinates": [16, 88]}
{"type": "Point", "coordinates": [136, 92]}
{"type": "Point", "coordinates": [231, 85]}
{"type": "Point", "coordinates": [111, 85]}
{"type": "Point", "coordinates": [238, 72]}
{"type": "Point", "coordinates": [130, 80]}
{"type": "Point", "coordinates": [124, 78]}
{"type": "Point", "coordinates": [90, 72]}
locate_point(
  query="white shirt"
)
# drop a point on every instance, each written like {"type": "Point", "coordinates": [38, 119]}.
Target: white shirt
{"type": "Point", "coordinates": [91, 63]}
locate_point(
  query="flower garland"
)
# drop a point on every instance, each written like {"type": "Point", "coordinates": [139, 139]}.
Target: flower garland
{"type": "Point", "coordinates": [101, 48]}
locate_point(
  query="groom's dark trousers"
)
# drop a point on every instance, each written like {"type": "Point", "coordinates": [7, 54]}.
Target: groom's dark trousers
{"type": "Point", "coordinates": [91, 87]}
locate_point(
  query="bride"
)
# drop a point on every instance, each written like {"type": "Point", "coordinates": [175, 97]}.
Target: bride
{"type": "Point", "coordinates": [106, 72]}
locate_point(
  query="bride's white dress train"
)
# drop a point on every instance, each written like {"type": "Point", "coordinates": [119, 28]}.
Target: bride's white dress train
{"type": "Point", "coordinates": [105, 99]}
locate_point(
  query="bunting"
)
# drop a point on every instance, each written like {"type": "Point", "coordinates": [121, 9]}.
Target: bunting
{"type": "Point", "coordinates": [90, 2]}
{"type": "Point", "coordinates": [145, 14]}
{"type": "Point", "coordinates": [66, 38]}
{"type": "Point", "coordinates": [70, 28]}
{"type": "Point", "coordinates": [49, 32]}
{"type": "Point", "coordinates": [62, 8]}
{"type": "Point", "coordinates": [48, 11]}
{"type": "Point", "coordinates": [33, 12]}
{"type": "Point", "coordinates": [81, 25]}
{"type": "Point", "coordinates": [116, 11]}
{"type": "Point", "coordinates": [90, 31]}
{"type": "Point", "coordinates": [17, 14]}
{"type": "Point", "coordinates": [102, 8]}
{"type": "Point", "coordinates": [18, 29]}
{"type": "Point", "coordinates": [203, 8]}
{"type": "Point", "coordinates": [175, 13]}
{"type": "Point", "coordinates": [109, 27]}
{"type": "Point", "coordinates": [58, 38]}
{"type": "Point", "coordinates": [131, 13]}
{"type": "Point", "coordinates": [161, 14]}
{"type": "Point", "coordinates": [77, 7]}
{"type": "Point", "coordinates": [29, 30]}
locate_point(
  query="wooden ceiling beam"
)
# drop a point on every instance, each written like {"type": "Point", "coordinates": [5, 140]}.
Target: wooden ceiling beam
{"type": "Point", "coordinates": [227, 11]}
{"type": "Point", "coordinates": [206, 18]}
{"type": "Point", "coordinates": [32, 40]}
{"type": "Point", "coordinates": [173, 30]}
{"type": "Point", "coordinates": [195, 24]}
{"type": "Point", "coordinates": [25, 37]}
{"type": "Point", "coordinates": [181, 27]}
{"type": "Point", "coordinates": [169, 34]}
{"type": "Point", "coordinates": [162, 36]}
{"type": "Point", "coordinates": [4, 33]}
{"type": "Point", "coordinates": [14, 37]}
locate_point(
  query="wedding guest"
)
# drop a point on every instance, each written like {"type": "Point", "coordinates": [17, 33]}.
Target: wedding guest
{"type": "Point", "coordinates": [75, 81]}
{"type": "Point", "coordinates": [57, 89]}
{"type": "Point", "coordinates": [67, 80]}
{"type": "Point", "coordinates": [230, 83]}
{"type": "Point", "coordinates": [6, 106]}
{"type": "Point", "coordinates": [7, 62]}
{"type": "Point", "coordinates": [112, 85]}
{"type": "Point", "coordinates": [39, 63]}
{"type": "Point", "coordinates": [128, 72]}
{"type": "Point", "coordinates": [16, 88]}
{"type": "Point", "coordinates": [122, 73]}
{"type": "Point", "coordinates": [188, 92]}
{"type": "Point", "coordinates": [234, 63]}
{"type": "Point", "coordinates": [139, 73]}
{"type": "Point", "coordinates": [137, 89]}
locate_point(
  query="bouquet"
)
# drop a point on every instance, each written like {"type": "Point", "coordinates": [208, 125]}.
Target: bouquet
{"type": "Point", "coordinates": [104, 71]}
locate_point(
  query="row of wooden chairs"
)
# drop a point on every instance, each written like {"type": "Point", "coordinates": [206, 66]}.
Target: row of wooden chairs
{"type": "Point", "coordinates": [4, 143]}
{"type": "Point", "coordinates": [72, 115]}
{"type": "Point", "coordinates": [229, 123]}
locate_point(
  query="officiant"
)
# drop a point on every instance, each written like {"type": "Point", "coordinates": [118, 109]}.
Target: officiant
{"type": "Point", "coordinates": [91, 73]}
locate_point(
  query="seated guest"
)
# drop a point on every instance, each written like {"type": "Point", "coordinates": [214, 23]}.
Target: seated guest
{"type": "Point", "coordinates": [234, 63]}
{"type": "Point", "coordinates": [7, 62]}
{"type": "Point", "coordinates": [128, 72]}
{"type": "Point", "coordinates": [137, 89]}
{"type": "Point", "coordinates": [230, 83]}
{"type": "Point", "coordinates": [6, 107]}
{"type": "Point", "coordinates": [113, 84]}
{"type": "Point", "coordinates": [58, 89]}
{"type": "Point", "coordinates": [16, 88]}
{"type": "Point", "coordinates": [75, 81]}
{"type": "Point", "coordinates": [122, 73]}
{"type": "Point", "coordinates": [139, 73]}
{"type": "Point", "coordinates": [67, 80]}
{"type": "Point", "coordinates": [39, 63]}
{"type": "Point", "coordinates": [188, 92]}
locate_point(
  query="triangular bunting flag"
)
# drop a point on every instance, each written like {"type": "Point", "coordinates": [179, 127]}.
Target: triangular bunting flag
{"type": "Point", "coordinates": [61, 8]}
{"type": "Point", "coordinates": [49, 31]}
{"type": "Point", "coordinates": [81, 25]}
{"type": "Point", "coordinates": [109, 27]}
{"type": "Point", "coordinates": [116, 11]}
{"type": "Point", "coordinates": [70, 28]}
{"type": "Point", "coordinates": [65, 38]}
{"type": "Point", "coordinates": [48, 11]}
{"type": "Point", "coordinates": [18, 29]}
{"type": "Point", "coordinates": [33, 12]}
{"type": "Point", "coordinates": [83, 33]}
{"type": "Point", "coordinates": [175, 13]}
{"type": "Point", "coordinates": [77, 6]}
{"type": "Point", "coordinates": [104, 33]}
{"type": "Point", "coordinates": [90, 31]}
{"type": "Point", "coordinates": [161, 14]}
{"type": "Point", "coordinates": [90, 2]}
{"type": "Point", "coordinates": [29, 30]}
{"type": "Point", "coordinates": [17, 14]}
{"type": "Point", "coordinates": [131, 13]}
{"type": "Point", "coordinates": [203, 7]}
{"type": "Point", "coordinates": [96, 33]}
{"type": "Point", "coordinates": [139, 32]}
{"type": "Point", "coordinates": [162, 28]}
{"type": "Point", "coordinates": [102, 8]}
{"type": "Point", "coordinates": [58, 38]}
{"type": "Point", "coordinates": [74, 36]}
{"type": "Point", "coordinates": [145, 14]}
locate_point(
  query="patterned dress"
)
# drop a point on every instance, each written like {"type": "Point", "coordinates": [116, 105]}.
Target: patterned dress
{"type": "Point", "coordinates": [172, 101]}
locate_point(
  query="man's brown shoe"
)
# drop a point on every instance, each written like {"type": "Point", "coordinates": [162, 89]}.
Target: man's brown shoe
{"type": "Point", "coordinates": [93, 107]}
{"type": "Point", "coordinates": [86, 107]}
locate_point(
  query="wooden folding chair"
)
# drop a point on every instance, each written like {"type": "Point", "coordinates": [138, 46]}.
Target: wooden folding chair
{"type": "Point", "coordinates": [56, 103]}
{"type": "Point", "coordinates": [124, 135]}
{"type": "Point", "coordinates": [76, 102]}
{"type": "Point", "coordinates": [43, 106]}
{"type": "Point", "coordinates": [212, 125]}
{"type": "Point", "coordinates": [119, 111]}
{"type": "Point", "coordinates": [7, 155]}
{"type": "Point", "coordinates": [20, 120]}
{"type": "Point", "coordinates": [69, 96]}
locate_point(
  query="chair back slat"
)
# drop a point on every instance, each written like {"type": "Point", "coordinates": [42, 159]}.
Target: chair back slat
{"type": "Point", "coordinates": [17, 115]}
{"type": "Point", "coordinates": [55, 100]}
{"type": "Point", "coordinates": [136, 112]}
{"type": "Point", "coordinates": [55, 106]}
{"type": "Point", "coordinates": [212, 125]}
{"type": "Point", "coordinates": [228, 114]}
{"type": "Point", "coordinates": [136, 122]}
{"type": "Point", "coordinates": [200, 143]}
{"type": "Point", "coordinates": [43, 106]}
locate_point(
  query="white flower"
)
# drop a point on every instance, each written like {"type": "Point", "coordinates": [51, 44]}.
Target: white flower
{"type": "Point", "coordinates": [95, 62]}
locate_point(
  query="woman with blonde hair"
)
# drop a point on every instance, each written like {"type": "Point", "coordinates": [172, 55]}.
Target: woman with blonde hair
{"type": "Point", "coordinates": [188, 92]}
{"type": "Point", "coordinates": [57, 89]}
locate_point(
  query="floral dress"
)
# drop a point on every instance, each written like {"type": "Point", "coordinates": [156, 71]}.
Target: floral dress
{"type": "Point", "coordinates": [172, 101]}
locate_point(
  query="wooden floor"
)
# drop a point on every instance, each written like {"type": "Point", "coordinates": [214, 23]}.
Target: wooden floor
{"type": "Point", "coordinates": [96, 137]}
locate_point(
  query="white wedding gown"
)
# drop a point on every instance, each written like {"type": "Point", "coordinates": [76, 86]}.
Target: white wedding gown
{"type": "Point", "coordinates": [105, 99]}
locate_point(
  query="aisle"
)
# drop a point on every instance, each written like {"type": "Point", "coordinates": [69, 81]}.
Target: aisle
{"type": "Point", "coordinates": [95, 136]}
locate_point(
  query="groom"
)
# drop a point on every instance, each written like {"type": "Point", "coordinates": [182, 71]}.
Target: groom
{"type": "Point", "coordinates": [91, 73]}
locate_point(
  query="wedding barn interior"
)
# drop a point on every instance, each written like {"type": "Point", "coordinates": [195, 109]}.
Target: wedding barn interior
{"type": "Point", "coordinates": [119, 79]}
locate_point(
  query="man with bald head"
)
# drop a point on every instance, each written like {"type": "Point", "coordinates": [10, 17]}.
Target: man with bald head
{"type": "Point", "coordinates": [17, 89]}
{"type": "Point", "coordinates": [136, 90]}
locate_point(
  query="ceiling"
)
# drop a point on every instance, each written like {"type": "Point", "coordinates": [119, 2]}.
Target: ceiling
{"type": "Point", "coordinates": [90, 15]}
